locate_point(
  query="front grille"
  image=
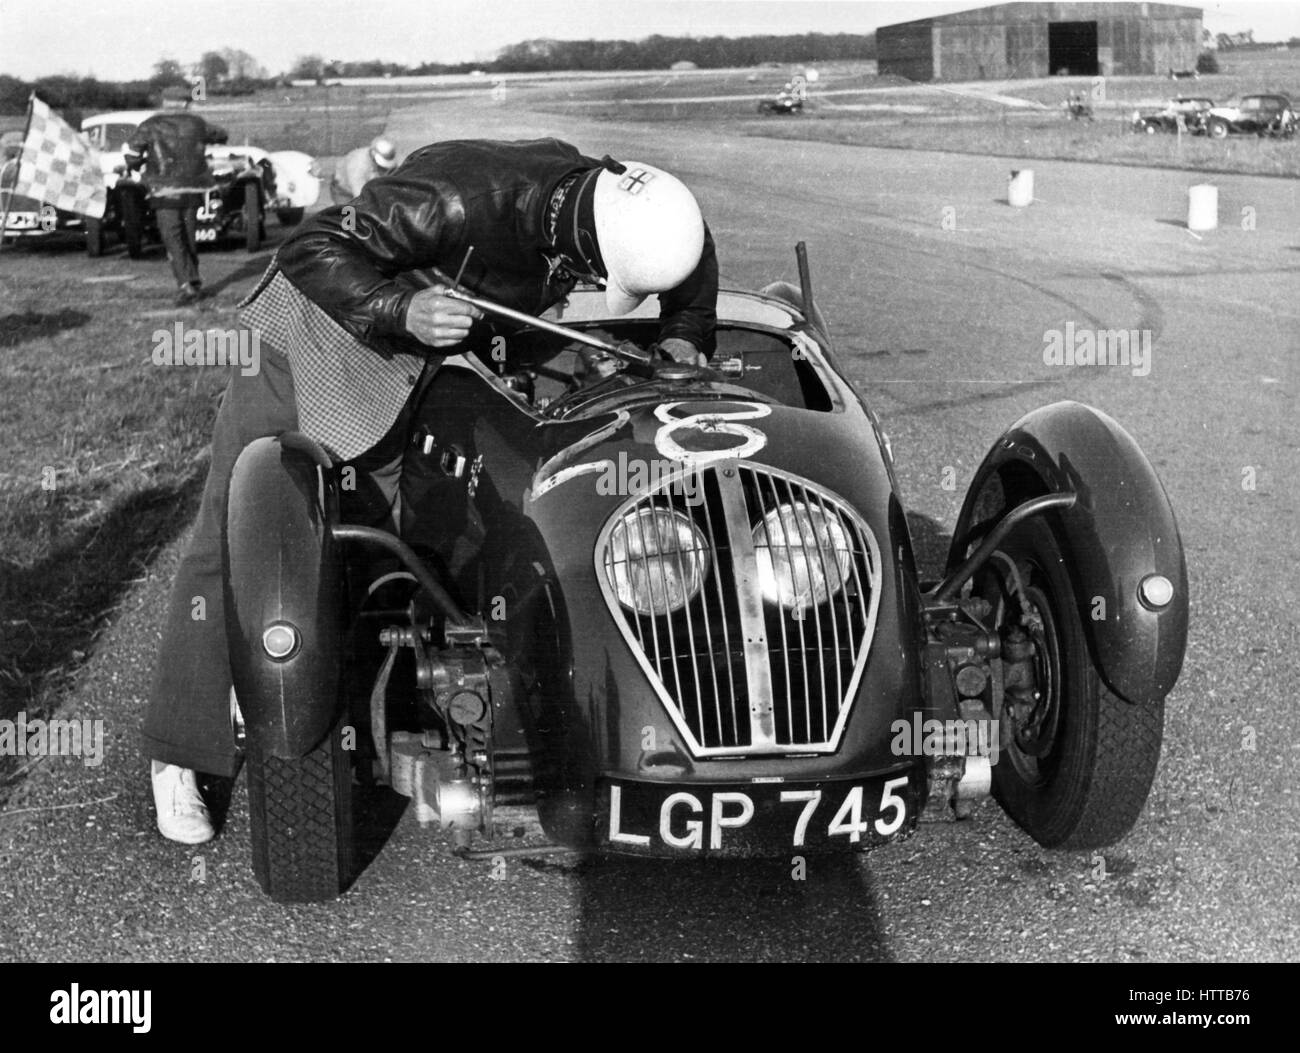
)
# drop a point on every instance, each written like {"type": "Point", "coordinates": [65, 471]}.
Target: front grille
{"type": "Point", "coordinates": [740, 674]}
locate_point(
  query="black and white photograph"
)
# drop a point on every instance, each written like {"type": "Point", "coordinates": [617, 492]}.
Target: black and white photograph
{"type": "Point", "coordinates": [672, 481]}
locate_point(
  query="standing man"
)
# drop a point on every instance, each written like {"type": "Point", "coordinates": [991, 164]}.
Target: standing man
{"type": "Point", "coordinates": [170, 148]}
{"type": "Point", "coordinates": [353, 316]}
{"type": "Point", "coordinates": [357, 168]}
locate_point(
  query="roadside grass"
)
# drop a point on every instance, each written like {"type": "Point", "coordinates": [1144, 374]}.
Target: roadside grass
{"type": "Point", "coordinates": [106, 455]}
{"type": "Point", "coordinates": [1054, 138]}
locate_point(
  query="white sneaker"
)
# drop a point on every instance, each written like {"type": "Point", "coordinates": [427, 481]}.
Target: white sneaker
{"type": "Point", "coordinates": [182, 815]}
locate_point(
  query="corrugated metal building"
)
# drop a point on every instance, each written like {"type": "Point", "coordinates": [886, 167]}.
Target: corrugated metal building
{"type": "Point", "coordinates": [1010, 41]}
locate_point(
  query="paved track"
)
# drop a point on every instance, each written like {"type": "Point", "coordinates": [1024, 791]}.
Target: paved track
{"type": "Point", "coordinates": [945, 328]}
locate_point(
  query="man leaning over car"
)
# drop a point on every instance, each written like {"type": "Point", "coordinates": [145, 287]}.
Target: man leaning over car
{"type": "Point", "coordinates": [354, 312]}
{"type": "Point", "coordinates": [170, 149]}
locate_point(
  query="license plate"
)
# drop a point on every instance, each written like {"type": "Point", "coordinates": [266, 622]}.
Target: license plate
{"type": "Point", "coordinates": [205, 234]}
{"type": "Point", "coordinates": [759, 817]}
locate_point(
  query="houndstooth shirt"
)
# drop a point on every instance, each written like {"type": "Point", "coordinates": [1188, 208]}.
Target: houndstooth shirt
{"type": "Point", "coordinates": [348, 395]}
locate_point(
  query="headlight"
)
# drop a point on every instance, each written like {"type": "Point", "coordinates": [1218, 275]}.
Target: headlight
{"type": "Point", "coordinates": [803, 556]}
{"type": "Point", "coordinates": [658, 560]}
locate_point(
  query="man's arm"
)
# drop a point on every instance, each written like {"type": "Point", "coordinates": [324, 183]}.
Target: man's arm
{"type": "Point", "coordinates": [690, 311]}
{"type": "Point", "coordinates": [137, 147]}
{"type": "Point", "coordinates": [346, 259]}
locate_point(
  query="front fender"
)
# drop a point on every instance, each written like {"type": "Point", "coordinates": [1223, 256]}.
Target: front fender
{"type": "Point", "coordinates": [282, 568]}
{"type": "Point", "coordinates": [1120, 530]}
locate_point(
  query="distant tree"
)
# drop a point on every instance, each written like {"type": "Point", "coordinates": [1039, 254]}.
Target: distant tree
{"type": "Point", "coordinates": [168, 73]}
{"type": "Point", "coordinates": [212, 67]}
{"type": "Point", "coordinates": [1206, 62]}
{"type": "Point", "coordinates": [307, 67]}
{"type": "Point", "coordinates": [240, 65]}
{"type": "Point", "coordinates": [13, 94]}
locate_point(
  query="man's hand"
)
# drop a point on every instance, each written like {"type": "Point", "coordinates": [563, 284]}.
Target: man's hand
{"type": "Point", "coordinates": [436, 319]}
{"type": "Point", "coordinates": [680, 350]}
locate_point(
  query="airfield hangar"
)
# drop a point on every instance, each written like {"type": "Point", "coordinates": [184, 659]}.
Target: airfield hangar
{"type": "Point", "coordinates": [1021, 40]}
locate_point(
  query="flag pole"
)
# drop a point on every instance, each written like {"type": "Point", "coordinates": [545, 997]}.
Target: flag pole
{"type": "Point", "coordinates": [27, 127]}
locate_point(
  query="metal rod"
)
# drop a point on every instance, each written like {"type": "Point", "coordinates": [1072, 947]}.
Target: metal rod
{"type": "Point", "coordinates": [805, 279]}
{"type": "Point", "coordinates": [551, 327]}
{"type": "Point", "coordinates": [946, 591]}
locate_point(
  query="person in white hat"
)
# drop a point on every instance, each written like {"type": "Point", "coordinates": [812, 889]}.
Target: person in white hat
{"type": "Point", "coordinates": [354, 318]}
{"type": "Point", "coordinates": [356, 168]}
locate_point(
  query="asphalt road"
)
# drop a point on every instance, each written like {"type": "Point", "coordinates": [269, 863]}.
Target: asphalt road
{"type": "Point", "coordinates": [940, 316]}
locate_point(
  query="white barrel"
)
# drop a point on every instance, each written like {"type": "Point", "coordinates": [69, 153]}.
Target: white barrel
{"type": "Point", "coordinates": [1202, 207]}
{"type": "Point", "coordinates": [1020, 192]}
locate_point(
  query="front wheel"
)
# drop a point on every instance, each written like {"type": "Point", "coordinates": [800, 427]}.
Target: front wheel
{"type": "Point", "coordinates": [131, 216]}
{"type": "Point", "coordinates": [94, 236]}
{"type": "Point", "coordinates": [301, 821]}
{"type": "Point", "coordinates": [1218, 129]}
{"type": "Point", "coordinates": [1076, 760]}
{"type": "Point", "coordinates": [252, 216]}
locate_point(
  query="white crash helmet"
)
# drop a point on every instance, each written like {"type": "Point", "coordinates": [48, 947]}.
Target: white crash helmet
{"type": "Point", "coordinates": [383, 153]}
{"type": "Point", "coordinates": [650, 232]}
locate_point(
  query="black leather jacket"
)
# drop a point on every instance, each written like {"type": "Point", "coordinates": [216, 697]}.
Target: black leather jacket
{"type": "Point", "coordinates": [410, 229]}
{"type": "Point", "coordinates": [170, 147]}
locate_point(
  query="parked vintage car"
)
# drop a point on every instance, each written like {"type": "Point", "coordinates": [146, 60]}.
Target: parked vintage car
{"type": "Point", "coordinates": [26, 217]}
{"type": "Point", "coordinates": [1193, 110]}
{"type": "Point", "coordinates": [1271, 115]}
{"type": "Point", "coordinates": [675, 611]}
{"type": "Point", "coordinates": [247, 183]}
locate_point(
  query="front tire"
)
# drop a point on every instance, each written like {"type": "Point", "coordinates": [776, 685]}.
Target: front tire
{"type": "Point", "coordinates": [252, 216]}
{"type": "Point", "coordinates": [95, 238]}
{"type": "Point", "coordinates": [132, 220]}
{"type": "Point", "coordinates": [301, 818]}
{"type": "Point", "coordinates": [1075, 773]}
{"type": "Point", "coordinates": [1218, 129]}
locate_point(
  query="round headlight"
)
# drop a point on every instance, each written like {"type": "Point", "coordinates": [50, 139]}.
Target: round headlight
{"type": "Point", "coordinates": [803, 555]}
{"type": "Point", "coordinates": [657, 560]}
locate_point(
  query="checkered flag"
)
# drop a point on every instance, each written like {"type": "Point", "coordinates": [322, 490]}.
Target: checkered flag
{"type": "Point", "coordinates": [58, 166]}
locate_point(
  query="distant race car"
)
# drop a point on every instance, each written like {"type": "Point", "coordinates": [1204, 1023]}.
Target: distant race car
{"type": "Point", "coordinates": [1253, 115]}
{"type": "Point", "coordinates": [785, 104]}
{"type": "Point", "coordinates": [247, 182]}
{"type": "Point", "coordinates": [1192, 109]}
{"type": "Point", "coordinates": [26, 217]}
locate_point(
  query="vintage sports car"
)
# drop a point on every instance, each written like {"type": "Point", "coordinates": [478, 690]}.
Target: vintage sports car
{"type": "Point", "coordinates": [674, 611]}
{"type": "Point", "coordinates": [1192, 109]}
{"type": "Point", "coordinates": [1271, 115]}
{"type": "Point", "coordinates": [247, 183]}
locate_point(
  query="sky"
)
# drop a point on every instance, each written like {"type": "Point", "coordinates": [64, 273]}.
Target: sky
{"type": "Point", "coordinates": [122, 39]}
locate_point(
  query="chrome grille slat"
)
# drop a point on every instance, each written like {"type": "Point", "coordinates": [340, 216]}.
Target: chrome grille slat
{"type": "Point", "coordinates": [726, 636]}
{"type": "Point", "coordinates": [729, 611]}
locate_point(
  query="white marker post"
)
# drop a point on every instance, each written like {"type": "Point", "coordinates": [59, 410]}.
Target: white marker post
{"type": "Point", "coordinates": [1202, 207]}
{"type": "Point", "coordinates": [1020, 191]}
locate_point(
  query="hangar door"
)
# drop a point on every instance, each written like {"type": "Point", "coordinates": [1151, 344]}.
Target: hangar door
{"type": "Point", "coordinates": [1072, 48]}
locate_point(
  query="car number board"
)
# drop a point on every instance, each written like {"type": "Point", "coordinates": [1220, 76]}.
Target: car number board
{"type": "Point", "coordinates": [759, 817]}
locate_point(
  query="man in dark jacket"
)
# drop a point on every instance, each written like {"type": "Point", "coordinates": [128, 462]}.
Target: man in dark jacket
{"type": "Point", "coordinates": [353, 318]}
{"type": "Point", "coordinates": [170, 149]}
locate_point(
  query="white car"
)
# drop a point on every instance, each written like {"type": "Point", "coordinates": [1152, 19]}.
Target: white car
{"type": "Point", "coordinates": [296, 188]}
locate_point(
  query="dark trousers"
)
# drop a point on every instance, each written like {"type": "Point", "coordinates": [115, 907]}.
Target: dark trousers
{"type": "Point", "coordinates": [177, 227]}
{"type": "Point", "coordinates": [188, 720]}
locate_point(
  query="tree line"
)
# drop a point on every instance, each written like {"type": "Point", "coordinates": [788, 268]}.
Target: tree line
{"type": "Point", "coordinates": [230, 71]}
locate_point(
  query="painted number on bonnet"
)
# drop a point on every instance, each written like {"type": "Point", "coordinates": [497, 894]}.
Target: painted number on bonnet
{"type": "Point", "coordinates": [712, 434]}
